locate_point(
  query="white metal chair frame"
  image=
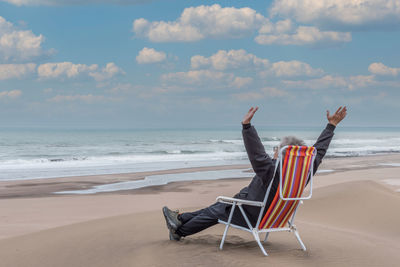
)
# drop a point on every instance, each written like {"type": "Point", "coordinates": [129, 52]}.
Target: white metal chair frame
{"type": "Point", "coordinates": [254, 230]}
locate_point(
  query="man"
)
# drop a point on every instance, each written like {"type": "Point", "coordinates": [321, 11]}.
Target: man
{"type": "Point", "coordinates": [189, 223]}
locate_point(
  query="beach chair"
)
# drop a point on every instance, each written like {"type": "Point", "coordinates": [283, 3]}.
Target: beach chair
{"type": "Point", "coordinates": [296, 168]}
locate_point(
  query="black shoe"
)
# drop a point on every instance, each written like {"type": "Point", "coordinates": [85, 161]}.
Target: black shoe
{"type": "Point", "coordinates": [171, 218]}
{"type": "Point", "coordinates": [174, 236]}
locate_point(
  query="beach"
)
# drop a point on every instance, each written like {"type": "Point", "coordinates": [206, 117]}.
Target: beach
{"type": "Point", "coordinates": [351, 220]}
{"type": "Point", "coordinates": [127, 106]}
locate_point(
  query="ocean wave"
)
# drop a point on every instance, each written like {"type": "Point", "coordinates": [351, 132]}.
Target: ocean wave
{"type": "Point", "coordinates": [380, 141]}
{"type": "Point", "coordinates": [35, 161]}
{"type": "Point", "coordinates": [169, 155]}
{"type": "Point", "coordinates": [240, 141]}
{"type": "Point", "coordinates": [99, 153]}
{"type": "Point", "coordinates": [358, 152]}
{"type": "Point", "coordinates": [178, 151]}
{"type": "Point", "coordinates": [119, 159]}
{"type": "Point", "coordinates": [60, 145]}
{"type": "Point", "coordinates": [227, 141]}
{"type": "Point", "coordinates": [273, 138]}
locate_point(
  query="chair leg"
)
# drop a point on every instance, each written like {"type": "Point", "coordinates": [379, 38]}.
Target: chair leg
{"type": "Point", "coordinates": [299, 239]}
{"type": "Point", "coordinates": [221, 246]}
{"type": "Point", "coordinates": [257, 238]}
{"type": "Point", "coordinates": [266, 237]}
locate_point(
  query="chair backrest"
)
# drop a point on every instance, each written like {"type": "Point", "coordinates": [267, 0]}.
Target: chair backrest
{"type": "Point", "coordinates": [296, 167]}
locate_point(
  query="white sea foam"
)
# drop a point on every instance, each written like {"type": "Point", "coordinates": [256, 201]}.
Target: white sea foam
{"type": "Point", "coordinates": [68, 170]}
{"type": "Point", "coordinates": [324, 171]}
{"type": "Point", "coordinates": [227, 141]}
{"type": "Point", "coordinates": [155, 180]}
{"type": "Point", "coordinates": [390, 164]}
{"type": "Point", "coordinates": [163, 179]}
{"type": "Point", "coordinates": [122, 159]}
{"type": "Point", "coordinates": [395, 182]}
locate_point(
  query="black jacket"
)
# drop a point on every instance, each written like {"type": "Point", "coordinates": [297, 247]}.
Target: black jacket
{"type": "Point", "coordinates": [264, 166]}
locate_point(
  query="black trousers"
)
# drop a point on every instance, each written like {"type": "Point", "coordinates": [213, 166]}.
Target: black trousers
{"type": "Point", "coordinates": [194, 222]}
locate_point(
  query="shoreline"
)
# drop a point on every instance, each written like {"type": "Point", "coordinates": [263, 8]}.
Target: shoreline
{"type": "Point", "coordinates": [88, 169]}
{"type": "Point", "coordinates": [46, 187]}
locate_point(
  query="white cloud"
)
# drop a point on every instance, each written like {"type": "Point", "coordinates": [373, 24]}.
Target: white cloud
{"type": "Point", "coordinates": [198, 61]}
{"type": "Point", "coordinates": [71, 98]}
{"type": "Point", "coordinates": [126, 88]}
{"type": "Point", "coordinates": [161, 31]}
{"type": "Point", "coordinates": [280, 26]}
{"type": "Point", "coordinates": [240, 59]}
{"type": "Point", "coordinates": [329, 81]}
{"type": "Point", "coordinates": [150, 55]}
{"type": "Point", "coordinates": [240, 82]}
{"type": "Point", "coordinates": [19, 45]}
{"type": "Point", "coordinates": [71, 70]}
{"type": "Point", "coordinates": [360, 81]}
{"type": "Point", "coordinates": [302, 35]}
{"type": "Point", "coordinates": [9, 71]}
{"type": "Point", "coordinates": [196, 76]}
{"type": "Point", "coordinates": [196, 23]}
{"type": "Point", "coordinates": [339, 13]}
{"type": "Point", "coordinates": [319, 83]}
{"type": "Point", "coordinates": [109, 71]}
{"type": "Point", "coordinates": [206, 77]}
{"type": "Point", "coordinates": [380, 69]}
{"type": "Point", "coordinates": [71, 2]}
{"type": "Point", "coordinates": [140, 91]}
{"type": "Point", "coordinates": [349, 82]}
{"type": "Point", "coordinates": [256, 95]}
{"type": "Point", "coordinates": [293, 68]}
{"type": "Point", "coordinates": [10, 94]}
{"type": "Point", "coordinates": [231, 59]}
{"type": "Point", "coordinates": [64, 69]}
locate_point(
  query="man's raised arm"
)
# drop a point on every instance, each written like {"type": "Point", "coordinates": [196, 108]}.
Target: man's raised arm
{"type": "Point", "coordinates": [326, 136]}
{"type": "Point", "coordinates": [260, 161]}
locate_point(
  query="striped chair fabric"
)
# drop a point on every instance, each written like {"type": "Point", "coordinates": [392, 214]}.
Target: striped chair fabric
{"type": "Point", "coordinates": [295, 172]}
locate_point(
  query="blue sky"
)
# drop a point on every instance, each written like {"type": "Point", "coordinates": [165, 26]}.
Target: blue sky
{"type": "Point", "coordinates": [198, 64]}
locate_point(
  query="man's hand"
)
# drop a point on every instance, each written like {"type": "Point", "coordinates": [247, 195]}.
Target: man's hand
{"type": "Point", "coordinates": [339, 115]}
{"type": "Point", "coordinates": [247, 118]}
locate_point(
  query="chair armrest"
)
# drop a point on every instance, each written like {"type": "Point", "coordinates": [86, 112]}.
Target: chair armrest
{"type": "Point", "coordinates": [230, 200]}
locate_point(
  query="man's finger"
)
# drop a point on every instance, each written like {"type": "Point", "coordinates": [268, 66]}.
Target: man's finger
{"type": "Point", "coordinates": [343, 111]}
{"type": "Point", "coordinates": [337, 111]}
{"type": "Point", "coordinates": [327, 113]}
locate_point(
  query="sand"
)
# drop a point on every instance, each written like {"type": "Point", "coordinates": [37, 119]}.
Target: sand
{"type": "Point", "coordinates": [352, 220]}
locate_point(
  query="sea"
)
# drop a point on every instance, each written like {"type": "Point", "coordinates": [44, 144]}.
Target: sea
{"type": "Point", "coordinates": [53, 153]}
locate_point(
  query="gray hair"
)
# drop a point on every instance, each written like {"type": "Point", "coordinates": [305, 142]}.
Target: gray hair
{"type": "Point", "coordinates": [291, 141]}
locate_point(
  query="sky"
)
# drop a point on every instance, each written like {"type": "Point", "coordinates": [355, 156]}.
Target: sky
{"type": "Point", "coordinates": [198, 64]}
